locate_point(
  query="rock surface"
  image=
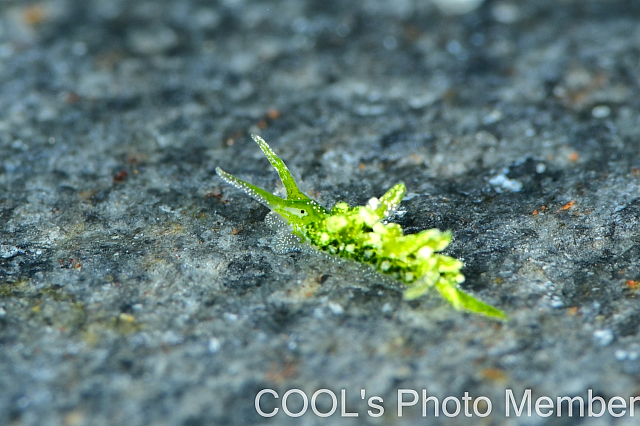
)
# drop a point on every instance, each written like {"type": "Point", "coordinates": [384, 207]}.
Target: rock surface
{"type": "Point", "coordinates": [136, 288]}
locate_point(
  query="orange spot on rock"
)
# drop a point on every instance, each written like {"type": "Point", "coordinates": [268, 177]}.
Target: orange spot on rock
{"type": "Point", "coordinates": [280, 373]}
{"type": "Point", "coordinates": [567, 206]}
{"type": "Point", "coordinates": [494, 374]}
{"type": "Point", "coordinates": [120, 176]}
{"type": "Point", "coordinates": [273, 113]}
{"type": "Point", "coordinates": [33, 15]}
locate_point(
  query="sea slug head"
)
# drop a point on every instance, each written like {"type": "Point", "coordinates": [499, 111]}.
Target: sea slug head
{"type": "Point", "coordinates": [300, 212]}
{"type": "Point", "coordinates": [297, 209]}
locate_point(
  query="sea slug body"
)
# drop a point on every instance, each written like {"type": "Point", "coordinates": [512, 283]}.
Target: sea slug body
{"type": "Point", "coordinates": [362, 234]}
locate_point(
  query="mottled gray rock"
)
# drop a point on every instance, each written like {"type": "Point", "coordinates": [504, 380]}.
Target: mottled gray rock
{"type": "Point", "coordinates": [137, 288]}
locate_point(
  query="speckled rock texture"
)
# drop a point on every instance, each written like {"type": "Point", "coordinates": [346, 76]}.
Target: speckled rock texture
{"type": "Point", "coordinates": [136, 288]}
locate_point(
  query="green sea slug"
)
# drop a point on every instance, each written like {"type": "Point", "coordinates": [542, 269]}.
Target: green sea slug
{"type": "Point", "coordinates": [362, 234]}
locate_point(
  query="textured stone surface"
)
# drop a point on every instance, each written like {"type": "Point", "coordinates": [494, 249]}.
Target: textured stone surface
{"type": "Point", "coordinates": [136, 288]}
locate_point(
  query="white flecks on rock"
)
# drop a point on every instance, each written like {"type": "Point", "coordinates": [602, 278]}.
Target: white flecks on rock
{"type": "Point", "coordinates": [601, 111]}
{"type": "Point", "coordinates": [502, 183]}
{"type": "Point", "coordinates": [506, 13]}
{"type": "Point", "coordinates": [214, 345]}
{"type": "Point", "coordinates": [7, 251]}
{"type": "Point", "coordinates": [152, 41]}
{"type": "Point", "coordinates": [230, 317]}
{"type": "Point", "coordinates": [603, 337]}
{"type": "Point", "coordinates": [335, 308]}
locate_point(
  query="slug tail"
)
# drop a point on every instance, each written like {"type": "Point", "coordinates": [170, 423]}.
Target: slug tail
{"type": "Point", "coordinates": [462, 301]}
